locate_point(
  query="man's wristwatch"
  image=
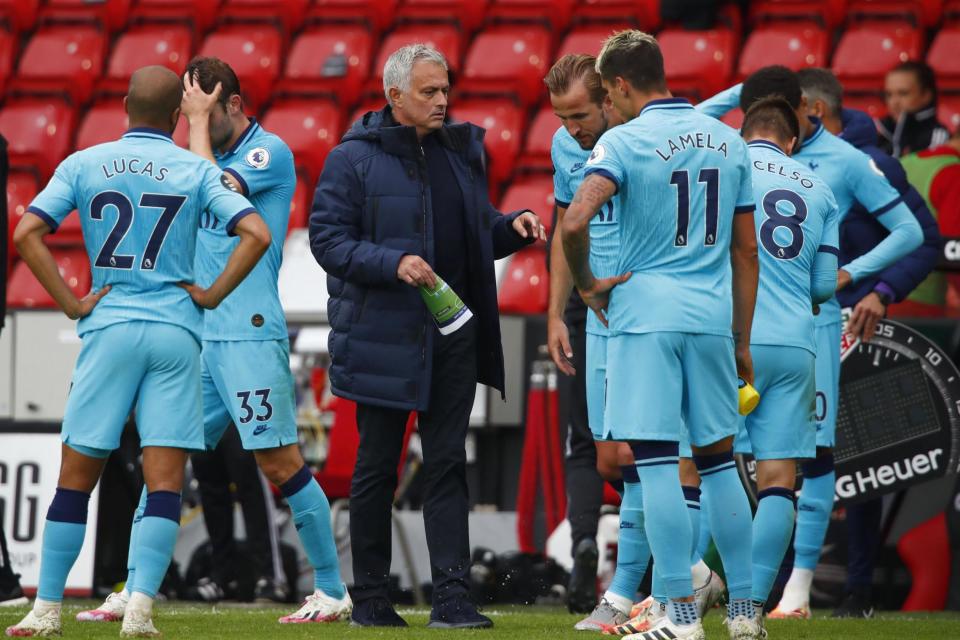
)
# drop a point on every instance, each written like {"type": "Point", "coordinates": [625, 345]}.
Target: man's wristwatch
{"type": "Point", "coordinates": [886, 299]}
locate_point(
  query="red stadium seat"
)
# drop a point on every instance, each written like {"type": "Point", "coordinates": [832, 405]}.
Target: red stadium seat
{"type": "Point", "coordinates": [469, 14]}
{"type": "Point", "coordinates": [19, 15]}
{"type": "Point", "coordinates": [698, 63]}
{"type": "Point", "coordinates": [168, 45]}
{"type": "Point", "coordinates": [508, 60]}
{"type": "Point", "coordinates": [21, 189]}
{"type": "Point", "coordinates": [288, 15]}
{"type": "Point", "coordinates": [109, 14]}
{"type": "Point", "coordinates": [300, 207]}
{"type": "Point", "coordinates": [309, 127]}
{"type": "Point", "coordinates": [944, 57]}
{"type": "Point", "coordinates": [378, 14]}
{"type": "Point", "coordinates": [830, 13]}
{"type": "Point", "coordinates": [870, 103]}
{"type": "Point", "coordinates": [644, 14]}
{"type": "Point", "coordinates": [866, 52]}
{"type": "Point", "coordinates": [334, 61]}
{"type": "Point", "coordinates": [375, 103]}
{"type": "Point", "coordinates": [525, 285]}
{"type": "Point", "coordinates": [532, 192]}
{"type": "Point", "coordinates": [792, 45]}
{"type": "Point", "coordinates": [504, 122]}
{"type": "Point", "coordinates": [62, 60]}
{"type": "Point", "coordinates": [39, 133]}
{"type": "Point", "coordinates": [8, 49]}
{"type": "Point", "coordinates": [948, 111]}
{"type": "Point", "coordinates": [733, 119]}
{"type": "Point", "coordinates": [101, 123]}
{"type": "Point", "coordinates": [254, 52]}
{"type": "Point", "coordinates": [24, 291]}
{"type": "Point", "coordinates": [536, 151]}
{"type": "Point", "coordinates": [588, 39]}
{"type": "Point", "coordinates": [200, 13]}
{"type": "Point", "coordinates": [925, 13]}
{"type": "Point", "coordinates": [68, 234]}
{"type": "Point", "coordinates": [554, 13]}
{"type": "Point", "coordinates": [446, 39]}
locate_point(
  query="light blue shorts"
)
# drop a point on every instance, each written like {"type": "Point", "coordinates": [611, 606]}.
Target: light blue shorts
{"type": "Point", "coordinates": [248, 382]}
{"type": "Point", "coordinates": [152, 367]}
{"type": "Point", "coordinates": [596, 382]}
{"type": "Point", "coordinates": [828, 383]}
{"type": "Point", "coordinates": [782, 426]}
{"type": "Point", "coordinates": [661, 385]}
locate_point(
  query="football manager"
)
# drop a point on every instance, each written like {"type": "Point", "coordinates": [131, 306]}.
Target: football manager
{"type": "Point", "coordinates": [401, 201]}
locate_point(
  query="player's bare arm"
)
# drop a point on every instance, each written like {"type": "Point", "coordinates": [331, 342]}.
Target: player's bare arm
{"type": "Point", "coordinates": [561, 285]}
{"type": "Point", "coordinates": [254, 242]}
{"type": "Point", "coordinates": [28, 238]}
{"type": "Point", "coordinates": [594, 192]}
{"type": "Point", "coordinates": [746, 275]}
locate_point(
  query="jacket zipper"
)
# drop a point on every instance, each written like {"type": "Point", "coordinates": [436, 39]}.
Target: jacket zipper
{"type": "Point", "coordinates": [423, 237]}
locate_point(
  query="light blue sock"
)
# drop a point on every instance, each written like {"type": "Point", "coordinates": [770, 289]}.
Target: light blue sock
{"type": "Point", "coordinates": [703, 543]}
{"type": "Point", "coordinates": [311, 515]}
{"type": "Point", "coordinates": [63, 533]}
{"type": "Point", "coordinates": [772, 528]}
{"type": "Point", "coordinates": [730, 519]}
{"type": "Point", "coordinates": [665, 514]}
{"type": "Point", "coordinates": [134, 530]}
{"type": "Point", "coordinates": [813, 511]}
{"type": "Point", "coordinates": [155, 541]}
{"type": "Point", "coordinates": [658, 591]}
{"type": "Point", "coordinates": [692, 496]}
{"type": "Point", "coordinates": [633, 550]}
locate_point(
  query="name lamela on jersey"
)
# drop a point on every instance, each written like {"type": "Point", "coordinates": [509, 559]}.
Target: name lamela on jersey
{"type": "Point", "coordinates": [136, 166]}
{"type": "Point", "coordinates": [698, 140]}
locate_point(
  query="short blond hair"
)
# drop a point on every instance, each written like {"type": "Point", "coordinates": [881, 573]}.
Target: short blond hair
{"type": "Point", "coordinates": [573, 67]}
{"type": "Point", "coordinates": [634, 56]}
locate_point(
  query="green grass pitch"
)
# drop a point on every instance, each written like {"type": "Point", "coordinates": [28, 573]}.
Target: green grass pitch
{"type": "Point", "coordinates": [178, 620]}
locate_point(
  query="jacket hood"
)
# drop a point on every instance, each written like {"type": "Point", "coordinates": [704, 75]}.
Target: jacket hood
{"type": "Point", "coordinates": [858, 128]}
{"type": "Point", "coordinates": [381, 127]}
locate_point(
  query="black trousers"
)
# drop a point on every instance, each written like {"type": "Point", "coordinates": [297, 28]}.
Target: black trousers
{"type": "Point", "coordinates": [584, 484]}
{"type": "Point", "coordinates": [443, 432]}
{"type": "Point", "coordinates": [863, 541]}
{"type": "Point", "coordinates": [215, 471]}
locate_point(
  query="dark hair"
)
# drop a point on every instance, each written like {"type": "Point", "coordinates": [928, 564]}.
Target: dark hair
{"type": "Point", "coordinates": [634, 56]}
{"type": "Point", "coordinates": [772, 116]}
{"type": "Point", "coordinates": [572, 67]}
{"type": "Point", "coordinates": [821, 84]}
{"type": "Point", "coordinates": [768, 81]}
{"type": "Point", "coordinates": [210, 71]}
{"type": "Point", "coordinates": [923, 72]}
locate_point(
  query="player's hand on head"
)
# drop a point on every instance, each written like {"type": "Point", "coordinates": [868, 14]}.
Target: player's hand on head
{"type": "Point", "coordinates": [201, 297]}
{"type": "Point", "coordinates": [415, 271]}
{"type": "Point", "coordinates": [597, 296]}
{"type": "Point", "coordinates": [558, 343]}
{"type": "Point", "coordinates": [196, 101]}
{"type": "Point", "coordinates": [866, 315]}
{"type": "Point", "coordinates": [87, 303]}
{"type": "Point", "coordinates": [528, 225]}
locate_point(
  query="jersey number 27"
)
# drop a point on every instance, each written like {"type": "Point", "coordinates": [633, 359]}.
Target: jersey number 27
{"type": "Point", "coordinates": [108, 258]}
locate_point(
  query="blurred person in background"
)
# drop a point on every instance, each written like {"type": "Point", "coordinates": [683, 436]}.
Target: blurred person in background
{"type": "Point", "coordinates": [911, 122]}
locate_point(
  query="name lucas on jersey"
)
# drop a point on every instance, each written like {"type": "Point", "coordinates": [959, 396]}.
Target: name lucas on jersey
{"type": "Point", "coordinates": [773, 167]}
{"type": "Point", "coordinates": [697, 140]}
{"type": "Point", "coordinates": [135, 166]}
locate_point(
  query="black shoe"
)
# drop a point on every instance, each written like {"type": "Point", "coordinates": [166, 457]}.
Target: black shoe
{"type": "Point", "coordinates": [11, 595]}
{"type": "Point", "coordinates": [582, 590]}
{"type": "Point", "coordinates": [375, 612]}
{"type": "Point", "coordinates": [857, 604]}
{"type": "Point", "coordinates": [268, 591]}
{"type": "Point", "coordinates": [458, 613]}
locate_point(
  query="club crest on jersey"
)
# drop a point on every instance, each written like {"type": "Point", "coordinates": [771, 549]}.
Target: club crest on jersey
{"type": "Point", "coordinates": [258, 158]}
{"type": "Point", "coordinates": [597, 154]}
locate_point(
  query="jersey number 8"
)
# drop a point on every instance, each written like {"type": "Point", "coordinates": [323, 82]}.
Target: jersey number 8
{"type": "Point", "coordinates": [776, 220]}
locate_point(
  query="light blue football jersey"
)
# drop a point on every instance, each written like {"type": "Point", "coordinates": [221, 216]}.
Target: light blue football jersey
{"type": "Point", "coordinates": [852, 177]}
{"type": "Point", "coordinates": [140, 200]}
{"type": "Point", "coordinates": [681, 176]}
{"type": "Point", "coordinates": [796, 217]}
{"type": "Point", "coordinates": [569, 162]}
{"type": "Point", "coordinates": [263, 165]}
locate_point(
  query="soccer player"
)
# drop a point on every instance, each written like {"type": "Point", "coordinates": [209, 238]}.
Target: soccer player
{"type": "Point", "coordinates": [797, 231]}
{"type": "Point", "coordinates": [246, 363]}
{"type": "Point", "coordinates": [581, 103]}
{"type": "Point", "coordinates": [679, 178]}
{"type": "Point", "coordinates": [140, 200]}
{"type": "Point", "coordinates": [853, 178]}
